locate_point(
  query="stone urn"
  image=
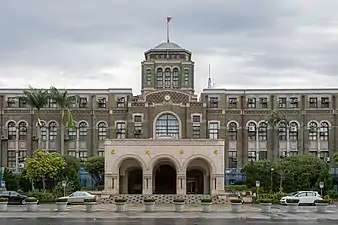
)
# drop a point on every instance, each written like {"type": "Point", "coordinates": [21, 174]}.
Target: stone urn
{"type": "Point", "coordinates": [120, 205]}
{"type": "Point", "coordinates": [179, 205]}
{"type": "Point", "coordinates": [206, 205]}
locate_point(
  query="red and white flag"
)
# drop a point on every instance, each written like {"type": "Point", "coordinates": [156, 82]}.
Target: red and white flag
{"type": "Point", "coordinates": [169, 19]}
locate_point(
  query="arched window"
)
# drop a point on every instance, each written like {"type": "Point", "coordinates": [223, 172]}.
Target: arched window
{"type": "Point", "coordinates": [167, 78]}
{"type": "Point", "coordinates": [11, 130]}
{"type": "Point", "coordinates": [102, 131]}
{"type": "Point", "coordinates": [252, 131]}
{"type": "Point", "coordinates": [22, 131]}
{"type": "Point", "coordinates": [293, 131]}
{"type": "Point", "coordinates": [83, 130]}
{"type": "Point", "coordinates": [167, 125]}
{"type": "Point", "coordinates": [186, 77]}
{"type": "Point", "coordinates": [282, 132]}
{"type": "Point", "coordinates": [175, 78]}
{"type": "Point", "coordinates": [324, 131]}
{"type": "Point", "coordinates": [72, 132]}
{"type": "Point", "coordinates": [159, 78]}
{"type": "Point", "coordinates": [53, 131]}
{"type": "Point", "coordinates": [263, 131]}
{"type": "Point", "coordinates": [43, 131]}
{"type": "Point", "coordinates": [313, 131]}
{"type": "Point", "coordinates": [232, 132]}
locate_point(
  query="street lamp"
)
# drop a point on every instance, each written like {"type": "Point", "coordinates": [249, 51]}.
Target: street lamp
{"type": "Point", "coordinates": [272, 169]}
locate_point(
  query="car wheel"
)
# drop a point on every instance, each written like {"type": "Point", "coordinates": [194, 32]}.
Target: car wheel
{"type": "Point", "coordinates": [23, 202]}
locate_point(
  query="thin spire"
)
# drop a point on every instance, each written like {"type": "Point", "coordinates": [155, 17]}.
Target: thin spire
{"type": "Point", "coordinates": [209, 79]}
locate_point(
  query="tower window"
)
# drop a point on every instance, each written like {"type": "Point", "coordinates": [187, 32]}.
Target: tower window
{"type": "Point", "coordinates": [159, 78]}
{"type": "Point", "coordinates": [148, 77]}
{"type": "Point", "coordinates": [167, 78]}
{"type": "Point", "coordinates": [175, 78]}
{"type": "Point", "coordinates": [186, 77]}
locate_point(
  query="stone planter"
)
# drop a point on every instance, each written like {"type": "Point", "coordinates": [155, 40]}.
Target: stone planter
{"type": "Point", "coordinates": [91, 206]}
{"type": "Point", "coordinates": [61, 206]}
{"type": "Point", "coordinates": [236, 207]}
{"type": "Point", "coordinates": [321, 207]}
{"type": "Point", "coordinates": [206, 207]}
{"type": "Point", "coordinates": [149, 206]}
{"type": "Point", "coordinates": [292, 207]}
{"type": "Point", "coordinates": [120, 206]}
{"type": "Point", "coordinates": [32, 206]}
{"type": "Point", "coordinates": [178, 206]}
{"type": "Point", "coordinates": [266, 207]}
{"type": "Point", "coordinates": [3, 206]}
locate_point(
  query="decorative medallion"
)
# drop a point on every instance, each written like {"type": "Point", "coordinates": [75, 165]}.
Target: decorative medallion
{"type": "Point", "coordinates": [181, 152]}
{"type": "Point", "coordinates": [167, 97]}
{"type": "Point", "coordinates": [112, 151]}
{"type": "Point", "coordinates": [147, 152]}
{"type": "Point", "coordinates": [216, 152]}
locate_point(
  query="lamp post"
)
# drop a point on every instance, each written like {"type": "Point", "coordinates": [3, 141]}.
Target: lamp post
{"type": "Point", "coordinates": [271, 176]}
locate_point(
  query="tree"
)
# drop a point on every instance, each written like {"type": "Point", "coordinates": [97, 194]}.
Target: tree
{"type": "Point", "coordinates": [335, 158]}
{"type": "Point", "coordinates": [37, 99]}
{"type": "Point", "coordinates": [95, 167]}
{"type": "Point", "coordinates": [71, 171]}
{"type": "Point", "coordinates": [44, 165]}
{"type": "Point", "coordinates": [63, 101]}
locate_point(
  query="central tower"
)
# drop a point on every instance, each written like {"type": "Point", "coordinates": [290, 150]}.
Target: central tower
{"type": "Point", "coordinates": [167, 66]}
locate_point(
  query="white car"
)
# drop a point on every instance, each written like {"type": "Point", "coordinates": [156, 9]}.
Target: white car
{"type": "Point", "coordinates": [79, 197]}
{"type": "Point", "coordinates": [305, 197]}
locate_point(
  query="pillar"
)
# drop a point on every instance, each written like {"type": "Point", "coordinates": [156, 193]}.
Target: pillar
{"type": "Point", "coordinates": [111, 183]}
{"type": "Point", "coordinates": [217, 184]}
{"type": "Point", "coordinates": [147, 188]}
{"type": "Point", "coordinates": [181, 184]}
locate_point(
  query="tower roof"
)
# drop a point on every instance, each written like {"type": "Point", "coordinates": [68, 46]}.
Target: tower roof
{"type": "Point", "coordinates": [167, 46]}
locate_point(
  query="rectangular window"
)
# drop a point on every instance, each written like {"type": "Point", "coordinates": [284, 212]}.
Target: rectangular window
{"type": "Point", "coordinates": [72, 153]}
{"type": "Point", "coordinates": [100, 153]}
{"type": "Point", "coordinates": [251, 156]}
{"type": "Point", "coordinates": [294, 102]}
{"type": "Point", "coordinates": [213, 130]}
{"type": "Point", "coordinates": [186, 77]}
{"type": "Point", "coordinates": [196, 128]}
{"type": "Point", "coordinates": [101, 103]}
{"type": "Point", "coordinates": [137, 119]}
{"type": "Point", "coordinates": [263, 102]}
{"type": "Point", "coordinates": [11, 102]}
{"type": "Point", "coordinates": [120, 130]}
{"type": "Point", "coordinates": [22, 102]}
{"type": "Point", "coordinates": [137, 130]}
{"type": "Point", "coordinates": [22, 156]}
{"type": "Point", "coordinates": [263, 155]}
{"type": "Point", "coordinates": [11, 159]}
{"type": "Point", "coordinates": [282, 103]}
{"type": "Point", "coordinates": [83, 156]}
{"type": "Point", "coordinates": [196, 118]}
{"type": "Point", "coordinates": [83, 102]}
{"type": "Point", "coordinates": [213, 102]}
{"type": "Point", "coordinates": [148, 77]}
{"type": "Point", "coordinates": [232, 103]}
{"type": "Point", "coordinates": [325, 102]}
{"type": "Point", "coordinates": [251, 103]}
{"type": "Point", "coordinates": [313, 103]}
{"type": "Point", "coordinates": [121, 102]}
{"type": "Point", "coordinates": [233, 159]}
{"type": "Point", "coordinates": [52, 103]}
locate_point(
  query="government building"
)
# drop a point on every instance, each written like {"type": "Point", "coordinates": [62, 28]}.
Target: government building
{"type": "Point", "coordinates": [167, 140]}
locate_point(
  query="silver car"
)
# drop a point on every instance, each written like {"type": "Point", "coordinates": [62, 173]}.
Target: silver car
{"type": "Point", "coordinates": [78, 197]}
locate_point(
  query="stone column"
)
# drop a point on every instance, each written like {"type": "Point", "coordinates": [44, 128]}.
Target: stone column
{"type": "Point", "coordinates": [111, 183]}
{"type": "Point", "coordinates": [147, 188]}
{"type": "Point", "coordinates": [181, 184]}
{"type": "Point", "coordinates": [217, 184]}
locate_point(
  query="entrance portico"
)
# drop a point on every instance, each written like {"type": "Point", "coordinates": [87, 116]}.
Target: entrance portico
{"type": "Point", "coordinates": [164, 166]}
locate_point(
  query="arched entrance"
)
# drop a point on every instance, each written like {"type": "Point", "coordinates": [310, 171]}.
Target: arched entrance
{"type": "Point", "coordinates": [164, 176]}
{"type": "Point", "coordinates": [131, 177]}
{"type": "Point", "coordinates": [198, 176]}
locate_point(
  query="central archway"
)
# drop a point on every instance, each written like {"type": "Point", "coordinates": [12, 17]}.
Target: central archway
{"type": "Point", "coordinates": [164, 174]}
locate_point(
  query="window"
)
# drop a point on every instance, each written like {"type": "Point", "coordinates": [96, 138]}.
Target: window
{"type": "Point", "coordinates": [251, 156]}
{"type": "Point", "coordinates": [186, 77]}
{"type": "Point", "coordinates": [121, 102]}
{"type": "Point", "coordinates": [282, 103]}
{"type": "Point", "coordinates": [233, 103]}
{"type": "Point", "coordinates": [196, 118]}
{"type": "Point", "coordinates": [213, 102]}
{"type": "Point", "coordinates": [175, 78]}
{"type": "Point", "coordinates": [102, 103]}
{"type": "Point", "coordinates": [83, 156]}
{"type": "Point", "coordinates": [232, 159]}
{"type": "Point", "coordinates": [100, 153]}
{"type": "Point", "coordinates": [83, 130]}
{"type": "Point", "coordinates": [11, 102]}
{"type": "Point", "coordinates": [22, 102]}
{"type": "Point", "coordinates": [120, 130]}
{"type": "Point", "coordinates": [263, 102]}
{"type": "Point", "coordinates": [324, 131]}
{"type": "Point", "coordinates": [159, 78]}
{"type": "Point", "coordinates": [167, 78]}
{"type": "Point", "coordinates": [252, 131]}
{"type": "Point", "coordinates": [11, 159]}
{"type": "Point", "coordinates": [313, 103]}
{"type": "Point", "coordinates": [102, 131]}
{"type": "Point", "coordinates": [325, 102]}
{"type": "Point", "coordinates": [52, 103]}
{"type": "Point", "coordinates": [72, 153]}
{"type": "Point", "coordinates": [293, 131]}
{"type": "Point", "coordinates": [22, 131]}
{"type": "Point", "coordinates": [148, 77]}
{"type": "Point", "coordinates": [11, 131]}
{"type": "Point", "coordinates": [232, 132]}
{"type": "Point", "coordinates": [313, 131]}
{"type": "Point", "coordinates": [252, 103]}
{"type": "Point", "coordinates": [22, 156]}
{"type": "Point", "coordinates": [83, 102]}
{"type": "Point", "coordinates": [196, 129]}
{"type": "Point", "coordinates": [263, 131]}
{"type": "Point", "coordinates": [167, 125]}
{"type": "Point", "coordinates": [213, 130]}
{"type": "Point", "coordinates": [72, 133]}
{"type": "Point", "coordinates": [137, 130]}
{"type": "Point", "coordinates": [53, 131]}
{"type": "Point", "coordinates": [43, 131]}
{"type": "Point", "coordinates": [282, 132]}
{"type": "Point", "coordinates": [294, 102]}
{"type": "Point", "coordinates": [137, 118]}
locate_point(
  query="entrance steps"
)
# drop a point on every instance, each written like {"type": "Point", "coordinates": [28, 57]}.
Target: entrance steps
{"type": "Point", "coordinates": [164, 198]}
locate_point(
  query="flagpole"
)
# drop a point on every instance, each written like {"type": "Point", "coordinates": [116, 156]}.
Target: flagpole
{"type": "Point", "coordinates": [167, 30]}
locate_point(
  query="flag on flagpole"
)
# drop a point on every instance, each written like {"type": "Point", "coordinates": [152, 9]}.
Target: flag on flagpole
{"type": "Point", "coordinates": [169, 19]}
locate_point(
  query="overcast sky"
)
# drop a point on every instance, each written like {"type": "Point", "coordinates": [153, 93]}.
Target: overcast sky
{"type": "Point", "coordinates": [100, 44]}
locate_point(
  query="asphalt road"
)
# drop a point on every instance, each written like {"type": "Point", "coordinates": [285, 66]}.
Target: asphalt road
{"type": "Point", "coordinates": [153, 221]}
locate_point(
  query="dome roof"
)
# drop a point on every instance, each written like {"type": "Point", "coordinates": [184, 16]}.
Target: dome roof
{"type": "Point", "coordinates": [168, 45]}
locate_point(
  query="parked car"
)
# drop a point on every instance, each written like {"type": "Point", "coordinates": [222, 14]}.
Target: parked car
{"type": "Point", "coordinates": [14, 198]}
{"type": "Point", "coordinates": [78, 197]}
{"type": "Point", "coordinates": [305, 197]}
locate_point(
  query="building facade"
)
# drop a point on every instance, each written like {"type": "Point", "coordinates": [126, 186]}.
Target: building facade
{"type": "Point", "coordinates": [166, 107]}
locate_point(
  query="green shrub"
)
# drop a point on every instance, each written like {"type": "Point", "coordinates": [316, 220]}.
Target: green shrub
{"type": "Point", "coordinates": [3, 199]}
{"type": "Point", "coordinates": [42, 196]}
{"type": "Point", "coordinates": [120, 200]}
{"type": "Point", "coordinates": [31, 199]}
{"type": "Point", "coordinates": [149, 200]}
{"type": "Point", "coordinates": [236, 200]}
{"type": "Point", "coordinates": [236, 188]}
{"type": "Point", "coordinates": [265, 201]}
{"type": "Point", "coordinates": [327, 201]}
{"type": "Point", "coordinates": [292, 200]}
{"type": "Point", "coordinates": [206, 200]}
{"type": "Point", "coordinates": [179, 200]}
{"type": "Point", "coordinates": [275, 197]}
{"type": "Point", "coordinates": [333, 194]}
{"type": "Point", "coordinates": [61, 200]}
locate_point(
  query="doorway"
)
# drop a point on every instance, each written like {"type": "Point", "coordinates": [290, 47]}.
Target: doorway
{"type": "Point", "coordinates": [165, 179]}
{"type": "Point", "coordinates": [135, 180]}
{"type": "Point", "coordinates": [195, 182]}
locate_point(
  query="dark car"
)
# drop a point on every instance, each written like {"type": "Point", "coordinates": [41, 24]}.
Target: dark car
{"type": "Point", "coordinates": [14, 198]}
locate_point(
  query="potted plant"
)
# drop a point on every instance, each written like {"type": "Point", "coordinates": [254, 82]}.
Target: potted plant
{"type": "Point", "coordinates": [90, 204]}
{"type": "Point", "coordinates": [321, 205]}
{"type": "Point", "coordinates": [266, 205]}
{"type": "Point", "coordinates": [120, 204]}
{"type": "Point", "coordinates": [149, 204]}
{"type": "Point", "coordinates": [31, 204]}
{"type": "Point", "coordinates": [292, 204]}
{"type": "Point", "coordinates": [179, 204]}
{"type": "Point", "coordinates": [61, 204]}
{"type": "Point", "coordinates": [206, 205]}
{"type": "Point", "coordinates": [3, 204]}
{"type": "Point", "coordinates": [236, 205]}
